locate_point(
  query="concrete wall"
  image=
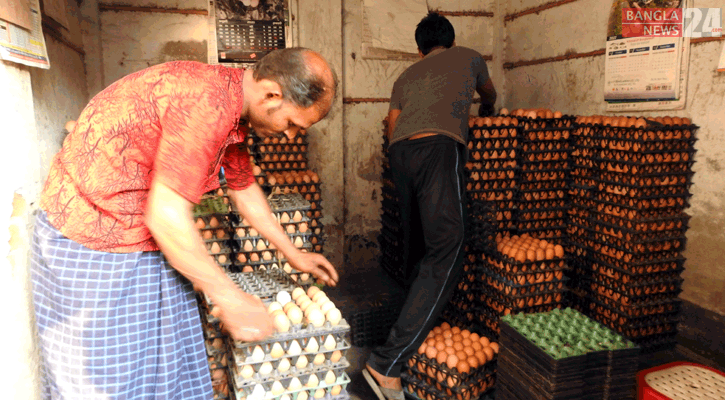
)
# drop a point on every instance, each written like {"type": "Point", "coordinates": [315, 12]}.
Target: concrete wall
{"type": "Point", "coordinates": [34, 104]}
{"type": "Point", "coordinates": [372, 78]}
{"type": "Point", "coordinates": [576, 87]}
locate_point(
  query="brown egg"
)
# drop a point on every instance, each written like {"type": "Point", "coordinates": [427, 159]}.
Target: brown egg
{"type": "Point", "coordinates": [473, 362]}
{"type": "Point", "coordinates": [200, 224]}
{"type": "Point", "coordinates": [495, 347]}
{"type": "Point", "coordinates": [431, 352]}
{"type": "Point", "coordinates": [558, 251]}
{"type": "Point", "coordinates": [463, 367]}
{"type": "Point", "coordinates": [441, 357]}
{"type": "Point", "coordinates": [488, 351]}
{"type": "Point", "coordinates": [484, 341]}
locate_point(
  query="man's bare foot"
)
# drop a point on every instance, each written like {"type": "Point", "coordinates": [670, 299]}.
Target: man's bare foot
{"type": "Point", "coordinates": [385, 381]}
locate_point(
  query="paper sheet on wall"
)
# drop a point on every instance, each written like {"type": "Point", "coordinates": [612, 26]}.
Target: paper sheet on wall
{"type": "Point", "coordinates": [16, 12]}
{"type": "Point", "coordinates": [721, 64]}
{"type": "Point", "coordinates": [25, 46]}
{"type": "Point", "coordinates": [390, 25]}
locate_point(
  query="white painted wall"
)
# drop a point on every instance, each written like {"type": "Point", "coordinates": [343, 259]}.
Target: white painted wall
{"type": "Point", "coordinates": [576, 87]}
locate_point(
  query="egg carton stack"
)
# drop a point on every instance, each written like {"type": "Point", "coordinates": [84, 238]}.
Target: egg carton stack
{"type": "Point", "coordinates": [523, 274]}
{"type": "Point", "coordinates": [212, 220]}
{"type": "Point", "coordinates": [562, 354]}
{"type": "Point", "coordinates": [253, 252]}
{"type": "Point", "coordinates": [285, 163]}
{"type": "Point", "coordinates": [390, 232]}
{"type": "Point", "coordinates": [452, 363]}
{"type": "Point", "coordinates": [492, 170]}
{"type": "Point", "coordinates": [631, 278]}
{"type": "Point", "coordinates": [304, 359]}
{"type": "Point", "coordinates": [543, 201]}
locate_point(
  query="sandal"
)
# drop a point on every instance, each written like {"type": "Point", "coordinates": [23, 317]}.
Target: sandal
{"type": "Point", "coordinates": [381, 392]}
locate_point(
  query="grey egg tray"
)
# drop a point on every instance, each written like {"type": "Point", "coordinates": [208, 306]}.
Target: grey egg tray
{"type": "Point", "coordinates": [342, 380]}
{"type": "Point", "coordinates": [300, 332]}
{"type": "Point", "coordinates": [302, 374]}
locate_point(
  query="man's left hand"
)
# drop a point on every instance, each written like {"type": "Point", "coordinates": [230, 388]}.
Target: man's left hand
{"type": "Point", "coordinates": [317, 265]}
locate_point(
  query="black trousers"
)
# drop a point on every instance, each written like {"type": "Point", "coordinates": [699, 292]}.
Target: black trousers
{"type": "Point", "coordinates": [428, 174]}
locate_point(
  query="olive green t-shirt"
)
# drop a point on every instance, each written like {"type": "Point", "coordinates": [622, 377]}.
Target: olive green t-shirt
{"type": "Point", "coordinates": [435, 94]}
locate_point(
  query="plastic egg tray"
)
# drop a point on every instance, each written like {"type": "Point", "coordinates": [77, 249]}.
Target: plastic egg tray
{"type": "Point", "coordinates": [301, 373]}
{"type": "Point", "coordinates": [343, 380]}
{"type": "Point", "coordinates": [548, 185]}
{"type": "Point", "coordinates": [302, 333]}
{"type": "Point", "coordinates": [449, 379]}
{"type": "Point", "coordinates": [484, 143]}
{"type": "Point", "coordinates": [222, 221]}
{"type": "Point", "coordinates": [509, 288]}
{"type": "Point", "coordinates": [681, 381]}
{"type": "Point", "coordinates": [634, 168]}
{"type": "Point", "coordinates": [653, 132]}
{"type": "Point", "coordinates": [426, 389]}
{"type": "Point", "coordinates": [216, 346]}
{"type": "Point", "coordinates": [565, 121]}
{"type": "Point", "coordinates": [653, 180]}
{"type": "Point", "coordinates": [490, 164]}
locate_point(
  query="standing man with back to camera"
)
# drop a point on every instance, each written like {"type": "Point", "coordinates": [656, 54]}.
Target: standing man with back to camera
{"type": "Point", "coordinates": [116, 256]}
{"type": "Point", "coordinates": [428, 132]}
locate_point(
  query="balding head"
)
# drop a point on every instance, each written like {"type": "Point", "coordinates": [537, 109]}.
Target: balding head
{"type": "Point", "coordinates": [304, 76]}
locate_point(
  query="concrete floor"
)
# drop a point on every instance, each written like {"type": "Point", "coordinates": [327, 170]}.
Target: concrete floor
{"type": "Point", "coordinates": [701, 338]}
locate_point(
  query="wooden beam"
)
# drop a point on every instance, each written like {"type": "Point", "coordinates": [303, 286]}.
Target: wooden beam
{"type": "Point", "coordinates": [568, 56]}
{"type": "Point", "coordinates": [537, 9]}
{"type": "Point", "coordinates": [465, 13]}
{"type": "Point", "coordinates": [51, 31]}
{"type": "Point", "coordinates": [115, 7]}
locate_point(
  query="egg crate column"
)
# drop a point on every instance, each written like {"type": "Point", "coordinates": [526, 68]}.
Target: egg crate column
{"type": "Point", "coordinates": [563, 354]}
{"type": "Point", "coordinates": [461, 308]}
{"type": "Point", "coordinates": [306, 354]}
{"type": "Point", "coordinates": [277, 154]}
{"type": "Point", "coordinates": [215, 232]}
{"type": "Point", "coordinates": [639, 225]}
{"type": "Point", "coordinates": [452, 362]}
{"type": "Point", "coordinates": [492, 170]}
{"type": "Point", "coordinates": [545, 163]}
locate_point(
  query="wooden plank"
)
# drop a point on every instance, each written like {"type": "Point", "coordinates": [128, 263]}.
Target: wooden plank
{"type": "Point", "coordinates": [114, 7]}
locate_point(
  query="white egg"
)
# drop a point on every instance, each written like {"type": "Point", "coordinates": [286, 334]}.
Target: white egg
{"type": "Point", "coordinates": [247, 371]}
{"type": "Point", "coordinates": [277, 388]}
{"type": "Point", "coordinates": [326, 306]}
{"type": "Point", "coordinates": [316, 318]}
{"type": "Point", "coordinates": [319, 359]}
{"type": "Point", "coordinates": [319, 393]}
{"type": "Point", "coordinates": [283, 297]}
{"type": "Point", "coordinates": [329, 343]}
{"type": "Point", "coordinates": [277, 351]}
{"type": "Point", "coordinates": [266, 368]}
{"type": "Point", "coordinates": [257, 393]}
{"type": "Point", "coordinates": [273, 306]}
{"type": "Point", "coordinates": [294, 348]}
{"type": "Point", "coordinates": [284, 365]}
{"type": "Point", "coordinates": [294, 384]}
{"type": "Point", "coordinates": [257, 354]}
{"type": "Point", "coordinates": [312, 346]}
{"type": "Point", "coordinates": [313, 381]}
{"type": "Point", "coordinates": [335, 356]}
{"type": "Point", "coordinates": [298, 291]}
{"type": "Point", "coordinates": [302, 396]}
{"type": "Point", "coordinates": [295, 315]}
{"type": "Point", "coordinates": [302, 362]}
{"type": "Point", "coordinates": [334, 316]}
{"type": "Point", "coordinates": [330, 377]}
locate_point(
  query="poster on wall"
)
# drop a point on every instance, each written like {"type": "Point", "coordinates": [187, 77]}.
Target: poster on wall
{"type": "Point", "coordinates": [25, 46]}
{"type": "Point", "coordinates": [646, 59]}
{"type": "Point", "coordinates": [721, 64]}
{"type": "Point", "coordinates": [246, 30]}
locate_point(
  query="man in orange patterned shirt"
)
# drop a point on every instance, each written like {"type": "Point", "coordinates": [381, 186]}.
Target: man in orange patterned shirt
{"type": "Point", "coordinates": [116, 255]}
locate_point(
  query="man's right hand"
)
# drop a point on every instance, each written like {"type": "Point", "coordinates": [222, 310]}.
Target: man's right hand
{"type": "Point", "coordinates": [243, 317]}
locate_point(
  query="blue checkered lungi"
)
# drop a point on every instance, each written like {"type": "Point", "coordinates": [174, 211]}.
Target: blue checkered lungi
{"type": "Point", "coordinates": [114, 326]}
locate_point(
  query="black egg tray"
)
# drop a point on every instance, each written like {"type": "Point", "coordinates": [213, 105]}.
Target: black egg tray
{"type": "Point", "coordinates": [640, 332]}
{"type": "Point", "coordinates": [639, 192]}
{"type": "Point", "coordinates": [544, 185]}
{"type": "Point", "coordinates": [487, 155]}
{"type": "Point", "coordinates": [509, 267]}
{"type": "Point", "coordinates": [655, 307]}
{"type": "Point", "coordinates": [641, 246]}
{"type": "Point", "coordinates": [492, 174]}
{"type": "Point", "coordinates": [503, 308]}
{"type": "Point", "coordinates": [657, 342]}
{"type": "Point", "coordinates": [481, 143]}
{"type": "Point", "coordinates": [624, 257]}
{"type": "Point", "coordinates": [668, 204]}
{"type": "Point", "coordinates": [449, 381]}
{"type": "Point", "coordinates": [665, 223]}
{"type": "Point", "coordinates": [612, 317]}
{"type": "Point", "coordinates": [659, 262]}
{"type": "Point", "coordinates": [623, 211]}
{"type": "Point", "coordinates": [545, 177]}
{"type": "Point", "coordinates": [537, 225]}
{"type": "Point", "coordinates": [222, 221]}
{"type": "Point", "coordinates": [563, 122]}
{"type": "Point", "coordinates": [654, 131]}
{"type": "Point", "coordinates": [426, 389]}
{"type": "Point", "coordinates": [216, 346]}
{"type": "Point", "coordinates": [635, 275]}
{"type": "Point", "coordinates": [629, 293]}
{"type": "Point", "coordinates": [579, 191]}
{"type": "Point", "coordinates": [492, 296]}
{"type": "Point", "coordinates": [671, 160]}
{"type": "Point", "coordinates": [493, 195]}
{"type": "Point", "coordinates": [280, 157]}
{"type": "Point", "coordinates": [681, 179]}
{"type": "Point", "coordinates": [490, 165]}
{"type": "Point", "coordinates": [493, 131]}
{"type": "Point", "coordinates": [545, 167]}
{"type": "Point", "coordinates": [543, 195]}
{"type": "Point", "coordinates": [342, 381]}
{"type": "Point", "coordinates": [543, 213]}
{"type": "Point", "coordinates": [268, 145]}
{"type": "Point", "coordinates": [540, 205]}
{"type": "Point", "coordinates": [646, 146]}
{"type": "Point", "coordinates": [636, 169]}
{"type": "Point", "coordinates": [508, 288]}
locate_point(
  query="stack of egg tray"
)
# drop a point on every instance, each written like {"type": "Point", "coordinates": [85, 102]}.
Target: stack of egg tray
{"type": "Point", "coordinates": [482, 226]}
{"type": "Point", "coordinates": [563, 354]}
{"type": "Point", "coordinates": [391, 246]}
{"type": "Point", "coordinates": [253, 251]}
{"type": "Point", "coordinates": [545, 174]}
{"type": "Point", "coordinates": [510, 286]}
{"type": "Point", "coordinates": [633, 237]}
{"type": "Point", "coordinates": [371, 320]}
{"type": "Point", "coordinates": [492, 170]}
{"type": "Point", "coordinates": [426, 378]}
{"type": "Point", "coordinates": [462, 310]}
{"type": "Point", "coordinates": [217, 352]}
{"type": "Point", "coordinates": [247, 372]}
{"type": "Point", "coordinates": [278, 154]}
{"type": "Point", "coordinates": [215, 230]}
